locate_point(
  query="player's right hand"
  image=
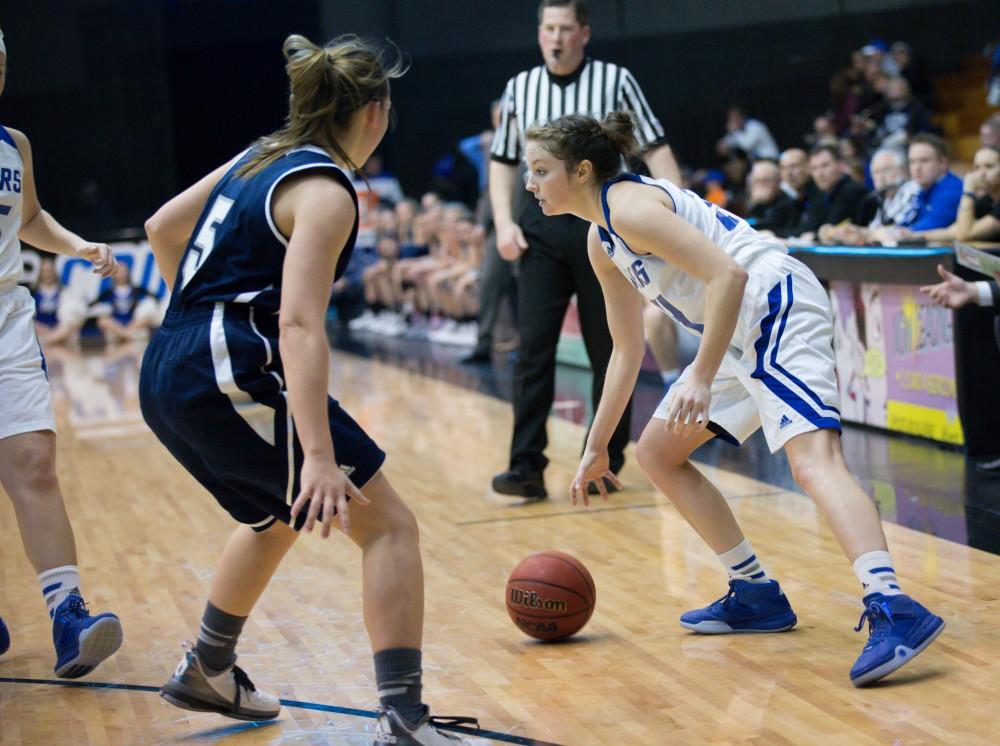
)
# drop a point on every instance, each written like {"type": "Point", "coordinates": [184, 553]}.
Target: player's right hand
{"type": "Point", "coordinates": [326, 490]}
{"type": "Point", "coordinates": [510, 241]}
{"type": "Point", "coordinates": [98, 254]}
{"type": "Point", "coordinates": [595, 466]}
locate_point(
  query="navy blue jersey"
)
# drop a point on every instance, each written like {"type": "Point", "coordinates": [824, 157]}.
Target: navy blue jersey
{"type": "Point", "coordinates": [236, 252]}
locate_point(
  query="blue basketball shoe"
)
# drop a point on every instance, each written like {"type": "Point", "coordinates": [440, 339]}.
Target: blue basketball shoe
{"type": "Point", "coordinates": [82, 641]}
{"type": "Point", "coordinates": [748, 607]}
{"type": "Point", "coordinates": [4, 638]}
{"type": "Point", "coordinates": [898, 629]}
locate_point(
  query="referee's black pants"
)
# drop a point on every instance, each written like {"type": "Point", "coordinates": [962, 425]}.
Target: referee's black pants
{"type": "Point", "coordinates": [554, 267]}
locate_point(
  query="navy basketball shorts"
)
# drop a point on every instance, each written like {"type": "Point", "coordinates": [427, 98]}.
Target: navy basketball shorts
{"type": "Point", "coordinates": [212, 390]}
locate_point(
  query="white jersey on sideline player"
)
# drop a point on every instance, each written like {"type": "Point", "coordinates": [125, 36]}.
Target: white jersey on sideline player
{"type": "Point", "coordinates": [11, 168]}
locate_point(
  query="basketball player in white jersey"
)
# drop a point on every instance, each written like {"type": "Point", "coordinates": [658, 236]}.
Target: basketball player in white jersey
{"type": "Point", "coordinates": [27, 426]}
{"type": "Point", "coordinates": [765, 359]}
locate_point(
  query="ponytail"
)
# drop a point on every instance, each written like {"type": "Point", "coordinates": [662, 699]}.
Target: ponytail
{"type": "Point", "coordinates": [327, 86]}
{"type": "Point", "coordinates": [576, 138]}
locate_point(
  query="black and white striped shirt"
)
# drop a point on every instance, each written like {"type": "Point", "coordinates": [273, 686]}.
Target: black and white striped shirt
{"type": "Point", "coordinates": [535, 96]}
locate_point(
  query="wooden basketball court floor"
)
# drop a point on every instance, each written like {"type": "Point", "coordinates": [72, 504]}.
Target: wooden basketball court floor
{"type": "Point", "coordinates": [149, 536]}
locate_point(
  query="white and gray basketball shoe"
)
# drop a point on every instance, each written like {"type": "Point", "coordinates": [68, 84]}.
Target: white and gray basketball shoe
{"type": "Point", "coordinates": [230, 693]}
{"type": "Point", "coordinates": [393, 728]}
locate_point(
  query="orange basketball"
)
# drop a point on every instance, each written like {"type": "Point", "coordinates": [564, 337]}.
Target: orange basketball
{"type": "Point", "coordinates": [550, 595]}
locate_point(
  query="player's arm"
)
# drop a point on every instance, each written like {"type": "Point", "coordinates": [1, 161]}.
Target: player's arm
{"type": "Point", "coordinates": [40, 229]}
{"type": "Point", "coordinates": [624, 308]}
{"type": "Point", "coordinates": [318, 214]}
{"type": "Point", "coordinates": [170, 228]}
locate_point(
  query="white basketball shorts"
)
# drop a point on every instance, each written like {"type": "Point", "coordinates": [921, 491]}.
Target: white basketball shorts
{"type": "Point", "coordinates": [25, 398]}
{"type": "Point", "coordinates": [779, 371]}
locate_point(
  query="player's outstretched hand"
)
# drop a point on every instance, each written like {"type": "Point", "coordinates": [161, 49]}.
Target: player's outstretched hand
{"type": "Point", "coordinates": [325, 489]}
{"type": "Point", "coordinates": [954, 292]}
{"type": "Point", "coordinates": [98, 254]}
{"type": "Point", "coordinates": [595, 466]}
{"type": "Point", "coordinates": [687, 407]}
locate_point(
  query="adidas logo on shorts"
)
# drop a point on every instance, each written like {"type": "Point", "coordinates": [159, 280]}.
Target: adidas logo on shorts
{"type": "Point", "coordinates": [785, 422]}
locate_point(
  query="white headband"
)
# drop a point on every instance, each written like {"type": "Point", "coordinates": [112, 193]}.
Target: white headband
{"type": "Point", "coordinates": [3, 49]}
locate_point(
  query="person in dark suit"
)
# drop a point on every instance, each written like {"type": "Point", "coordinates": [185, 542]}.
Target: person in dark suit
{"type": "Point", "coordinates": [954, 292]}
{"type": "Point", "coordinates": [840, 194]}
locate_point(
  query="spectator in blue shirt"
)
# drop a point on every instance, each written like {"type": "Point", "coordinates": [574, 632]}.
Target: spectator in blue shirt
{"type": "Point", "coordinates": [935, 204]}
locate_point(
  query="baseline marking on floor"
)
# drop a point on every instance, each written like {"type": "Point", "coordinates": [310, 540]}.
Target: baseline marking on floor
{"type": "Point", "coordinates": [493, 735]}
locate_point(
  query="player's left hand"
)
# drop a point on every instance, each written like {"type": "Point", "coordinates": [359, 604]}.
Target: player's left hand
{"type": "Point", "coordinates": [98, 254]}
{"type": "Point", "coordinates": [687, 407]}
{"type": "Point", "coordinates": [595, 466]}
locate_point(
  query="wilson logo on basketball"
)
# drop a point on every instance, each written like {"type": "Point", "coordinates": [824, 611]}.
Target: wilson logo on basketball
{"type": "Point", "coordinates": [531, 600]}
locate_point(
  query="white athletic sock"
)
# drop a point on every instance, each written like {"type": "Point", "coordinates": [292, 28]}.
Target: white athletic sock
{"type": "Point", "coordinates": [742, 564]}
{"type": "Point", "coordinates": [58, 583]}
{"type": "Point", "coordinates": [876, 573]}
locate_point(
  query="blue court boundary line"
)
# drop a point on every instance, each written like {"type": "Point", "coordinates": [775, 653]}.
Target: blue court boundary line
{"type": "Point", "coordinates": [504, 737]}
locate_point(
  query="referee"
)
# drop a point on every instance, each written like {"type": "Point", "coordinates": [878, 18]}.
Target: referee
{"type": "Point", "coordinates": [553, 250]}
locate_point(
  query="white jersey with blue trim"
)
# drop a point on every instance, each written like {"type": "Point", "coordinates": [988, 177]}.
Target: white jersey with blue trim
{"type": "Point", "coordinates": [11, 168]}
{"type": "Point", "coordinates": [671, 289]}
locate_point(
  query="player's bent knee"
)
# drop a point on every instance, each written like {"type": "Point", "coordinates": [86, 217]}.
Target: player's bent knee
{"type": "Point", "coordinates": [652, 451]}
{"type": "Point", "coordinates": [810, 473]}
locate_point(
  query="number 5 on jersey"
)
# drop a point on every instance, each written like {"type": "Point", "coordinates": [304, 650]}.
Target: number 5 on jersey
{"type": "Point", "coordinates": [204, 242]}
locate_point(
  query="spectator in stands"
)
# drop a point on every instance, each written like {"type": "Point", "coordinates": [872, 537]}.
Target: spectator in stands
{"type": "Point", "coordinates": [495, 277]}
{"type": "Point", "coordinates": [124, 311]}
{"type": "Point", "coordinates": [383, 183]}
{"type": "Point", "coordinates": [873, 90]}
{"type": "Point", "coordinates": [770, 209]}
{"type": "Point", "coordinates": [710, 184]}
{"type": "Point", "coordinates": [993, 79]}
{"type": "Point", "coordinates": [854, 155]}
{"type": "Point", "coordinates": [736, 168]}
{"type": "Point", "coordinates": [881, 207]}
{"type": "Point", "coordinates": [898, 117]}
{"type": "Point", "coordinates": [347, 297]}
{"type": "Point", "coordinates": [840, 194]}
{"type": "Point", "coordinates": [935, 205]}
{"type": "Point", "coordinates": [877, 57]}
{"type": "Point", "coordinates": [795, 179]}
{"type": "Point", "coordinates": [749, 135]}
{"type": "Point", "coordinates": [978, 217]}
{"type": "Point", "coordinates": [989, 132]}
{"type": "Point", "coordinates": [914, 69]}
{"type": "Point", "coordinates": [476, 148]}
{"type": "Point", "coordinates": [824, 131]}
{"type": "Point", "coordinates": [376, 279]}
{"type": "Point", "coordinates": [847, 88]}
{"type": "Point", "coordinates": [406, 212]}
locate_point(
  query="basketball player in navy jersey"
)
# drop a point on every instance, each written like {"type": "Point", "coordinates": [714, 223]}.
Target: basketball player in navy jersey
{"type": "Point", "coordinates": [765, 358]}
{"type": "Point", "coordinates": [234, 383]}
{"type": "Point", "coordinates": [27, 425]}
